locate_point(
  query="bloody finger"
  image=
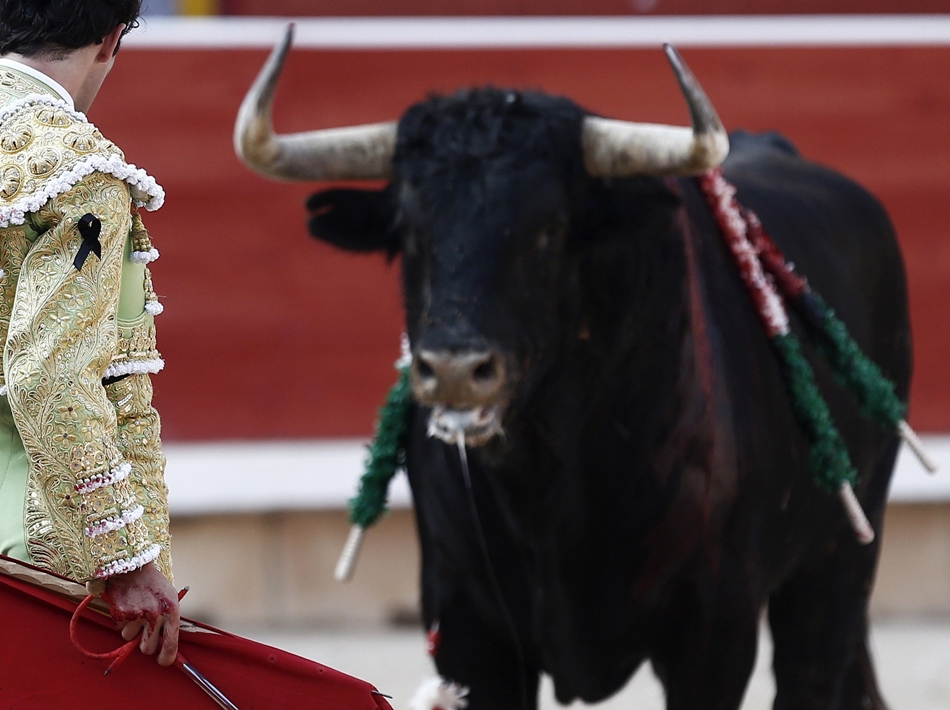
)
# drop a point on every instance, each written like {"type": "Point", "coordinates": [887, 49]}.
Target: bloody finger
{"type": "Point", "coordinates": [169, 643]}
{"type": "Point", "coordinates": [152, 637]}
{"type": "Point", "coordinates": [131, 629]}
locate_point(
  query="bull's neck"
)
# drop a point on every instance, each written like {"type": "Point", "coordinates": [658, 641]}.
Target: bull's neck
{"type": "Point", "coordinates": [622, 419]}
{"type": "Point", "coordinates": [639, 312]}
{"type": "Point", "coordinates": [628, 363]}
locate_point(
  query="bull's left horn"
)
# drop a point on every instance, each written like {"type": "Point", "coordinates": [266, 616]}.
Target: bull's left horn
{"type": "Point", "coordinates": [623, 149]}
{"type": "Point", "coordinates": [351, 153]}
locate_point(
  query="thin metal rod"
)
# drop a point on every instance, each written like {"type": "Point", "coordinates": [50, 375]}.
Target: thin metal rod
{"type": "Point", "coordinates": [220, 698]}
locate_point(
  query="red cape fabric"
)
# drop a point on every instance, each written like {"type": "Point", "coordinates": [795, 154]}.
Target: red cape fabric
{"type": "Point", "coordinates": [40, 668]}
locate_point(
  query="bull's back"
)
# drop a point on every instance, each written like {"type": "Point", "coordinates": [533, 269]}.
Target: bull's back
{"type": "Point", "coordinates": [839, 237]}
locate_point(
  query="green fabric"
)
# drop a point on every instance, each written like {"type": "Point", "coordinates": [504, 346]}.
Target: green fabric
{"type": "Point", "coordinates": [14, 470]}
{"type": "Point", "coordinates": [29, 230]}
{"type": "Point", "coordinates": [14, 467]}
{"type": "Point", "coordinates": [855, 371]}
{"type": "Point", "coordinates": [386, 454]}
{"type": "Point", "coordinates": [132, 290]}
{"type": "Point", "coordinates": [829, 455]}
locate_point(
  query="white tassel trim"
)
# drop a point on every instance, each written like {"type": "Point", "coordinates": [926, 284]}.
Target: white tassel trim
{"type": "Point", "coordinates": [136, 178]}
{"type": "Point", "coordinates": [134, 367]}
{"type": "Point", "coordinates": [98, 480]}
{"type": "Point", "coordinates": [43, 99]}
{"type": "Point", "coordinates": [144, 257]}
{"type": "Point", "coordinates": [114, 523]}
{"type": "Point", "coordinates": [3, 390]}
{"type": "Point", "coordinates": [438, 694]}
{"type": "Point", "coordinates": [133, 563]}
{"type": "Point", "coordinates": [154, 308]}
{"type": "Point", "coordinates": [405, 354]}
{"type": "Point", "coordinates": [145, 191]}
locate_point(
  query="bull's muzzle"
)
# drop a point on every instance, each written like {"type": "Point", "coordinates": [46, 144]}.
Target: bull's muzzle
{"type": "Point", "coordinates": [458, 380]}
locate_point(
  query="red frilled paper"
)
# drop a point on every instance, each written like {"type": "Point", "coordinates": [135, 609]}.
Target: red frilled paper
{"type": "Point", "coordinates": [41, 669]}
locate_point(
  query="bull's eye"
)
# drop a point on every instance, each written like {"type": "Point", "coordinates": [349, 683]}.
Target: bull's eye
{"type": "Point", "coordinates": [550, 236]}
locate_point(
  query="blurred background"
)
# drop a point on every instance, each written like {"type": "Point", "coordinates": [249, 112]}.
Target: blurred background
{"type": "Point", "coordinates": [280, 349]}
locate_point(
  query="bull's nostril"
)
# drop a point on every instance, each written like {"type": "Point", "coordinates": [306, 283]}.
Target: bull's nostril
{"type": "Point", "coordinates": [485, 371]}
{"type": "Point", "coordinates": [424, 369]}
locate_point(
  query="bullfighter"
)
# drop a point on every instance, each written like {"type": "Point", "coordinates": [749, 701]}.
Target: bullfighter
{"type": "Point", "coordinates": [82, 489]}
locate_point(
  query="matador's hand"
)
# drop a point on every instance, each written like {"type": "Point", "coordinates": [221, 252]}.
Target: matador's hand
{"type": "Point", "coordinates": [144, 601]}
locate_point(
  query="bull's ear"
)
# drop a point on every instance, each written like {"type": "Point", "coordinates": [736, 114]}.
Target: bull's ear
{"type": "Point", "coordinates": [356, 220]}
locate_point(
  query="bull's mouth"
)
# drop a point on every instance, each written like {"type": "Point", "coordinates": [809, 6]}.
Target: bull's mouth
{"type": "Point", "coordinates": [477, 426]}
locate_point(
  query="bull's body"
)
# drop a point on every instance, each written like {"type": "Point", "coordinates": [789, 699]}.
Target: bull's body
{"type": "Point", "coordinates": [651, 492]}
{"type": "Point", "coordinates": [654, 491]}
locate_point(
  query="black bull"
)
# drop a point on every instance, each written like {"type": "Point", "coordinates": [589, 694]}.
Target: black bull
{"type": "Point", "coordinates": [650, 491]}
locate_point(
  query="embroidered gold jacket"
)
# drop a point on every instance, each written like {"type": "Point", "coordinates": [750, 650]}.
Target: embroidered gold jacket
{"type": "Point", "coordinates": [79, 343]}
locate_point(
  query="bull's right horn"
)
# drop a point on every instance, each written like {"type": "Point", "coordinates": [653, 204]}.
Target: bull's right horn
{"type": "Point", "coordinates": [351, 153]}
{"type": "Point", "coordinates": [624, 149]}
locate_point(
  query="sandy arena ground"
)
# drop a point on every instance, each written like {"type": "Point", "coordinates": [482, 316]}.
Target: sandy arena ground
{"type": "Point", "coordinates": [912, 655]}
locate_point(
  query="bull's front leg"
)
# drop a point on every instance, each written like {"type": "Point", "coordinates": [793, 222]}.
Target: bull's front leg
{"type": "Point", "coordinates": [705, 648]}
{"type": "Point", "coordinates": [475, 594]}
{"type": "Point", "coordinates": [477, 658]}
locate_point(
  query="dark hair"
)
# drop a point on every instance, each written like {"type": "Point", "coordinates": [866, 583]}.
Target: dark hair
{"type": "Point", "coordinates": [52, 28]}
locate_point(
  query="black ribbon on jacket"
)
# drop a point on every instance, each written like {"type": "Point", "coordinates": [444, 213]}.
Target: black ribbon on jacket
{"type": "Point", "coordinates": [89, 227]}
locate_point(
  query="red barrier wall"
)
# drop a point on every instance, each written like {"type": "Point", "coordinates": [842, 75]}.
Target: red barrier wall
{"type": "Point", "coordinates": [269, 334]}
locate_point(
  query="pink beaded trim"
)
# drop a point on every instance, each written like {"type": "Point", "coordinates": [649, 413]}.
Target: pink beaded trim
{"type": "Point", "coordinates": [128, 565]}
{"type": "Point", "coordinates": [98, 480]}
{"type": "Point", "coordinates": [115, 523]}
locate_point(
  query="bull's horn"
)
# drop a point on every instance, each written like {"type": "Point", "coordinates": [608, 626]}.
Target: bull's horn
{"type": "Point", "coordinates": [352, 153]}
{"type": "Point", "coordinates": [622, 149]}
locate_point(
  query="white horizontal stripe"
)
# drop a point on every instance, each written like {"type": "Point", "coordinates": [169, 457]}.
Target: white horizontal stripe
{"type": "Point", "coordinates": [267, 476]}
{"type": "Point", "coordinates": [912, 483]}
{"type": "Point", "coordinates": [544, 32]}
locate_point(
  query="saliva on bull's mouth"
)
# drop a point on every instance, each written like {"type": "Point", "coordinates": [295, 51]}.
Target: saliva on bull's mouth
{"type": "Point", "coordinates": [477, 426]}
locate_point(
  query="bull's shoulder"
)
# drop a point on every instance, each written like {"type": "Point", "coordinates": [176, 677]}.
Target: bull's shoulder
{"type": "Point", "coordinates": [775, 180]}
{"type": "Point", "coordinates": [746, 145]}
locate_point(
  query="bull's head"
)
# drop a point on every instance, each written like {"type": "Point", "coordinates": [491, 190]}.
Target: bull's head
{"type": "Point", "coordinates": [489, 198]}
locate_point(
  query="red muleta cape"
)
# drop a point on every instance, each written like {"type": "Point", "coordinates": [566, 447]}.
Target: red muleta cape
{"type": "Point", "coordinates": [41, 669]}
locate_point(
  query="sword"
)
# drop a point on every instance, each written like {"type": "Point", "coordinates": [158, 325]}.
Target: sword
{"type": "Point", "coordinates": [202, 682]}
{"type": "Point", "coordinates": [189, 670]}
